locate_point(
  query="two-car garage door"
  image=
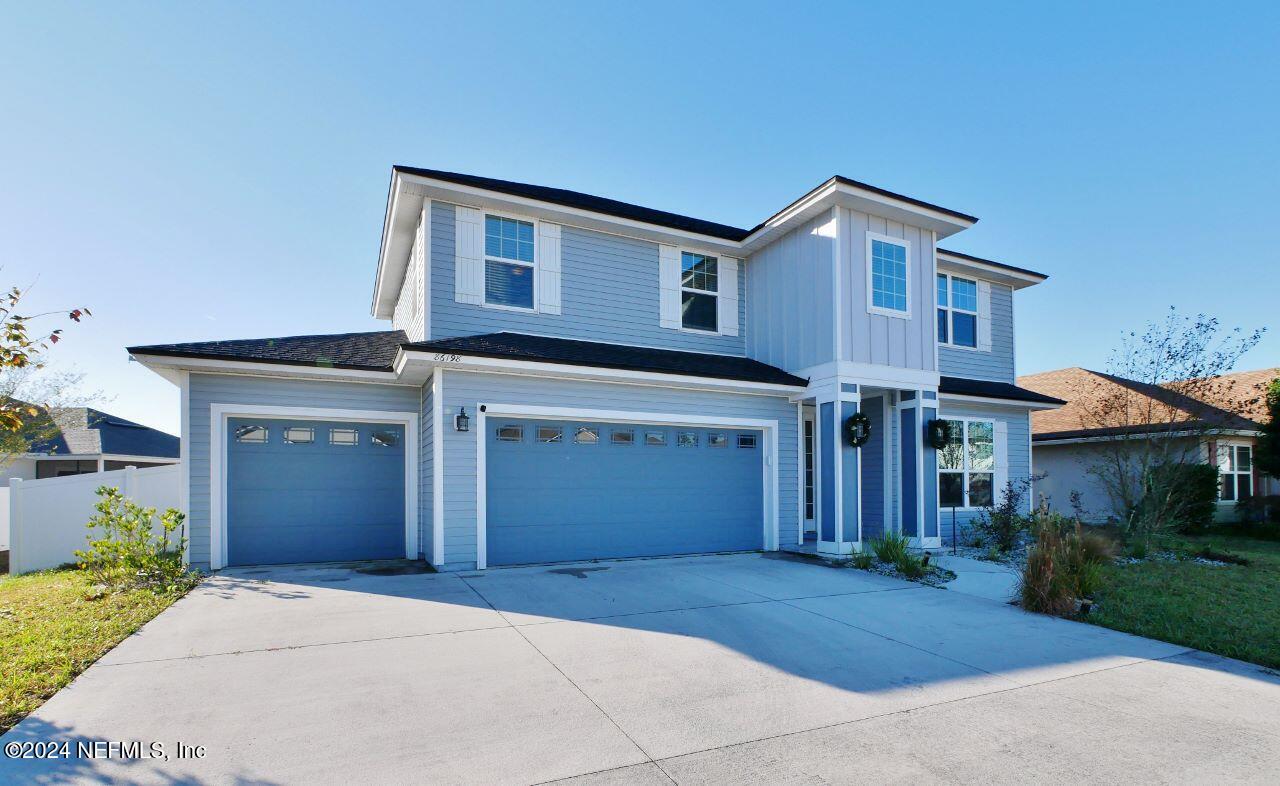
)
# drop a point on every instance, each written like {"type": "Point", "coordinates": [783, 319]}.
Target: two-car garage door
{"type": "Point", "coordinates": [575, 490]}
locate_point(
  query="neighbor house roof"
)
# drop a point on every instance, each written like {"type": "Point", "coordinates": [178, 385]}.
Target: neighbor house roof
{"type": "Point", "coordinates": [377, 351]}
{"type": "Point", "coordinates": [545, 349]}
{"type": "Point", "coordinates": [374, 351]}
{"type": "Point", "coordinates": [88, 431]}
{"type": "Point", "coordinates": [1230, 402]}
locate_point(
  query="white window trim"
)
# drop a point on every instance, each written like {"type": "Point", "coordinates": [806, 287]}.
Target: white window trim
{"type": "Point", "coordinates": [220, 415]}
{"type": "Point", "coordinates": [769, 473]}
{"type": "Point", "coordinates": [485, 259]}
{"type": "Point", "coordinates": [1217, 463]}
{"type": "Point", "coordinates": [977, 319]}
{"type": "Point", "coordinates": [874, 309]}
{"type": "Point", "coordinates": [964, 453]}
{"type": "Point", "coordinates": [680, 252]}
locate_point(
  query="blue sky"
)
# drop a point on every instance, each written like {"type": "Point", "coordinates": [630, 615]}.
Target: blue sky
{"type": "Point", "coordinates": [203, 171]}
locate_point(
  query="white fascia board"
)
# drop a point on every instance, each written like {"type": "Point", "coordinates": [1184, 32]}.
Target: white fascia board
{"type": "Point", "coordinates": [947, 263]}
{"type": "Point", "coordinates": [393, 254]}
{"type": "Point", "coordinates": [1208, 434]}
{"type": "Point", "coordinates": [1003, 402]}
{"type": "Point", "coordinates": [415, 365]}
{"type": "Point", "coordinates": [166, 365]}
{"type": "Point", "coordinates": [148, 459]}
{"type": "Point", "coordinates": [422, 187]}
{"type": "Point", "coordinates": [871, 374]}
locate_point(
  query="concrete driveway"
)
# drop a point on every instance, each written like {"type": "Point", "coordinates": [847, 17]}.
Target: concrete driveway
{"type": "Point", "coordinates": [726, 669]}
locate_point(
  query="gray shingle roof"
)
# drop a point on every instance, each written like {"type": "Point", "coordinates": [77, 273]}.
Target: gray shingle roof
{"type": "Point", "coordinates": [521, 346]}
{"type": "Point", "coordinates": [84, 430]}
{"type": "Point", "coordinates": [366, 351]}
{"type": "Point", "coordinates": [377, 351]}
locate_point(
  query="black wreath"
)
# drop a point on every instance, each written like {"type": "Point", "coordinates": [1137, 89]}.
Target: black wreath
{"type": "Point", "coordinates": [939, 433]}
{"type": "Point", "coordinates": [857, 429]}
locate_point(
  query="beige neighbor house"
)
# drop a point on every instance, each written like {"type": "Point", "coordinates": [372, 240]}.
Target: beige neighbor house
{"type": "Point", "coordinates": [1220, 423]}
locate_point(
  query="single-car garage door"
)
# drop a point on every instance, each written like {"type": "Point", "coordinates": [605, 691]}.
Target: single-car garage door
{"type": "Point", "coordinates": [314, 491]}
{"type": "Point", "coordinates": [562, 490]}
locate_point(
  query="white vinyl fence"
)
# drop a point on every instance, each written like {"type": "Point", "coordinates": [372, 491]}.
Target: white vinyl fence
{"type": "Point", "coordinates": [47, 517]}
{"type": "Point", "coordinates": [4, 518]}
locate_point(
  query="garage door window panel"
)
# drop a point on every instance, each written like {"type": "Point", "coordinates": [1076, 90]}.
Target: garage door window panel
{"type": "Point", "coordinates": [251, 434]}
{"type": "Point", "coordinates": [299, 435]}
{"type": "Point", "coordinates": [586, 435]}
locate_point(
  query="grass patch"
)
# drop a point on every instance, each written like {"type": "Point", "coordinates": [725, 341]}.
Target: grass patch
{"type": "Point", "coordinates": [54, 625]}
{"type": "Point", "coordinates": [1232, 611]}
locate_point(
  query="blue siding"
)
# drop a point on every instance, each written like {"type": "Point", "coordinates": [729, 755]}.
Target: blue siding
{"type": "Point", "coordinates": [849, 481]}
{"type": "Point", "coordinates": [314, 501]}
{"type": "Point", "coordinates": [790, 308]}
{"type": "Point", "coordinates": [470, 389]}
{"type": "Point", "coordinates": [1018, 424]}
{"type": "Point", "coordinates": [873, 470]}
{"type": "Point", "coordinates": [609, 292]}
{"type": "Point", "coordinates": [930, 477]}
{"type": "Point", "coordinates": [827, 461]}
{"type": "Point", "coordinates": [995, 365]}
{"type": "Point", "coordinates": [207, 389]}
{"type": "Point", "coordinates": [875, 338]}
{"type": "Point", "coordinates": [910, 444]}
{"type": "Point", "coordinates": [565, 501]}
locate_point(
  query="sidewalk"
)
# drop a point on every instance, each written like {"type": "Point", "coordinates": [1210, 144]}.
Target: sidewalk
{"type": "Point", "coordinates": [980, 578]}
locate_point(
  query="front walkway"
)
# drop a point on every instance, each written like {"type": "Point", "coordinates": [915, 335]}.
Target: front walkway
{"type": "Point", "coordinates": [731, 669]}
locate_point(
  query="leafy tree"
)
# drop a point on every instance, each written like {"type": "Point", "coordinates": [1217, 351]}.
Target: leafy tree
{"type": "Point", "coordinates": [1267, 456]}
{"type": "Point", "coordinates": [28, 401]}
{"type": "Point", "coordinates": [1153, 408]}
{"type": "Point", "coordinates": [21, 348]}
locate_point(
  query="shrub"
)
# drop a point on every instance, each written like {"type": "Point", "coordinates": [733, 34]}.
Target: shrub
{"type": "Point", "coordinates": [890, 547]}
{"type": "Point", "coordinates": [1003, 524]}
{"type": "Point", "coordinates": [1044, 586]}
{"type": "Point", "coordinates": [130, 553]}
{"type": "Point", "coordinates": [862, 560]}
{"type": "Point", "coordinates": [1264, 509]}
{"type": "Point", "coordinates": [910, 565]}
{"type": "Point", "coordinates": [1064, 564]}
{"type": "Point", "coordinates": [1176, 497]}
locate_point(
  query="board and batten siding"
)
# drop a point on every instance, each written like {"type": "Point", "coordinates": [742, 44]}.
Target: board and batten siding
{"type": "Point", "coordinates": [790, 309]}
{"type": "Point", "coordinates": [410, 314]}
{"type": "Point", "coordinates": [208, 389]}
{"type": "Point", "coordinates": [467, 389]}
{"type": "Point", "coordinates": [995, 364]}
{"type": "Point", "coordinates": [875, 338]}
{"type": "Point", "coordinates": [1018, 443]}
{"type": "Point", "coordinates": [608, 292]}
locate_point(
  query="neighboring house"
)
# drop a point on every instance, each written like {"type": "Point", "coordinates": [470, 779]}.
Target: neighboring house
{"type": "Point", "coordinates": [89, 440]}
{"type": "Point", "coordinates": [569, 377]}
{"type": "Point", "coordinates": [1221, 426]}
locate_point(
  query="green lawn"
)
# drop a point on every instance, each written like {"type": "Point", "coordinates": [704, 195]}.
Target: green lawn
{"type": "Point", "coordinates": [52, 628]}
{"type": "Point", "coordinates": [1232, 611]}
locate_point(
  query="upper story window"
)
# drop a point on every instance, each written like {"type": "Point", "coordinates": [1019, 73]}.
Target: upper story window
{"type": "Point", "coordinates": [888, 276]}
{"type": "Point", "coordinates": [699, 291]}
{"type": "Point", "coordinates": [508, 262]}
{"type": "Point", "coordinates": [957, 311]}
{"type": "Point", "coordinates": [1235, 469]}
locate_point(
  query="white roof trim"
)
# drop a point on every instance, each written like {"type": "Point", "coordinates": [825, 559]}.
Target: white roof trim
{"type": "Point", "coordinates": [951, 263]}
{"type": "Point", "coordinates": [163, 364]}
{"type": "Point", "coordinates": [1006, 402]}
{"type": "Point", "coordinates": [408, 191]}
{"type": "Point", "coordinates": [415, 365]}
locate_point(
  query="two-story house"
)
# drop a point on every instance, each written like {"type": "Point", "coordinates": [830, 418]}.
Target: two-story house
{"type": "Point", "coordinates": [569, 377]}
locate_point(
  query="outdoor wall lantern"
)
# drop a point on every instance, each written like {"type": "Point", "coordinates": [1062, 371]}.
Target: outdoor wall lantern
{"type": "Point", "coordinates": [461, 422]}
